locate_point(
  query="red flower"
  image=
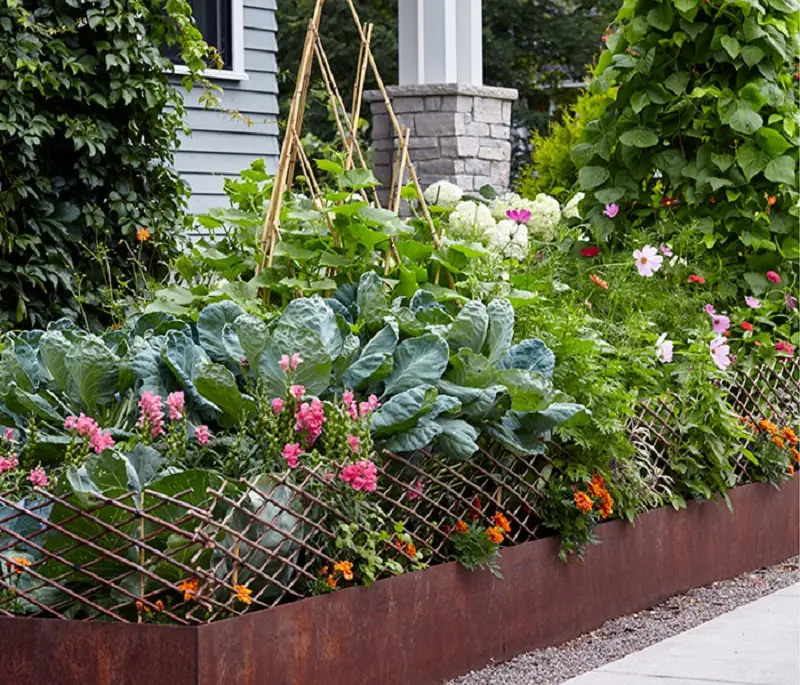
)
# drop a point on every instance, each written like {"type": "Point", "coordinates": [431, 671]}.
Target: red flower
{"type": "Point", "coordinates": [591, 251]}
{"type": "Point", "coordinates": [747, 326]}
{"type": "Point", "coordinates": [668, 201]}
{"type": "Point", "coordinates": [772, 277]}
{"type": "Point", "coordinates": [694, 278]}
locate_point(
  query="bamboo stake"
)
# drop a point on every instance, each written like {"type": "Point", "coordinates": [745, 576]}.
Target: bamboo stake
{"type": "Point", "coordinates": [358, 93]}
{"type": "Point", "coordinates": [402, 161]}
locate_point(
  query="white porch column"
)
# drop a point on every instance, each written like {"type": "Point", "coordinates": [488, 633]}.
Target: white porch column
{"type": "Point", "coordinates": [440, 42]}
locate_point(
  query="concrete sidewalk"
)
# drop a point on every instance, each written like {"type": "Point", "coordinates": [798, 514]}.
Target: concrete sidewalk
{"type": "Point", "coordinates": [756, 644]}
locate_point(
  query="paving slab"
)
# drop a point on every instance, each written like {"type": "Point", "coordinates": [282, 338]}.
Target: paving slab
{"type": "Point", "coordinates": [756, 644]}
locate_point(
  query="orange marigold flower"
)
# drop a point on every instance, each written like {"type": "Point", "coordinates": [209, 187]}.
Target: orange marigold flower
{"type": "Point", "coordinates": [243, 594]}
{"type": "Point", "coordinates": [606, 505]}
{"type": "Point", "coordinates": [411, 549]}
{"type": "Point", "coordinates": [599, 282]}
{"type": "Point", "coordinates": [502, 522]}
{"type": "Point", "coordinates": [331, 582]}
{"type": "Point", "coordinates": [345, 568]}
{"type": "Point", "coordinates": [789, 435]}
{"type": "Point", "coordinates": [778, 440]}
{"type": "Point", "coordinates": [159, 605]}
{"type": "Point", "coordinates": [461, 527]}
{"type": "Point", "coordinates": [768, 426]}
{"type": "Point", "coordinates": [495, 534]}
{"type": "Point", "coordinates": [795, 454]}
{"type": "Point", "coordinates": [18, 563]}
{"type": "Point", "coordinates": [771, 200]}
{"type": "Point", "coordinates": [189, 588]}
{"type": "Point", "coordinates": [598, 486]}
{"type": "Point", "coordinates": [583, 501]}
{"type": "Point", "coordinates": [324, 571]}
{"type": "Point", "coordinates": [790, 470]}
{"type": "Point", "coordinates": [143, 235]}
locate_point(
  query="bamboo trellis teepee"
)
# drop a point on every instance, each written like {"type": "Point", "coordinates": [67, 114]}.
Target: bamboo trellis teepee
{"type": "Point", "coordinates": [292, 152]}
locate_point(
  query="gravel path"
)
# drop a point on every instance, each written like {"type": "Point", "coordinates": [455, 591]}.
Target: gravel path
{"type": "Point", "coordinates": [627, 634]}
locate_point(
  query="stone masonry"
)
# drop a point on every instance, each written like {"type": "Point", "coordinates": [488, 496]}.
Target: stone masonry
{"type": "Point", "coordinates": [460, 133]}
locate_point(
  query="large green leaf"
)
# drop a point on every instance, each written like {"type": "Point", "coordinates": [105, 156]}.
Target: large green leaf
{"type": "Point", "coordinates": [416, 361]}
{"type": "Point", "coordinates": [751, 160]}
{"type": "Point", "coordinates": [458, 439]}
{"type": "Point", "coordinates": [12, 371]}
{"type": "Point", "coordinates": [478, 403]}
{"type": "Point", "coordinates": [639, 137]}
{"type": "Point", "coordinates": [472, 370]}
{"type": "Point", "coordinates": [29, 404]}
{"type": "Point", "coordinates": [210, 325]}
{"type": "Point", "coordinates": [314, 372]}
{"type": "Point", "coordinates": [53, 348]}
{"type": "Point", "coordinates": [470, 327]}
{"type": "Point", "coordinates": [402, 411]}
{"type": "Point", "coordinates": [368, 368]}
{"type": "Point", "coordinates": [93, 372]}
{"type": "Point", "coordinates": [530, 391]}
{"type": "Point", "coordinates": [416, 438]}
{"type": "Point", "coordinates": [184, 358]}
{"type": "Point", "coordinates": [253, 337]}
{"type": "Point", "coordinates": [314, 314]}
{"type": "Point", "coordinates": [781, 170]}
{"type": "Point", "coordinates": [372, 302]}
{"type": "Point", "coordinates": [590, 177]}
{"type": "Point", "coordinates": [146, 462]}
{"type": "Point", "coordinates": [500, 333]}
{"type": "Point", "coordinates": [661, 16]}
{"type": "Point", "coordinates": [383, 342]}
{"type": "Point", "coordinates": [149, 370]}
{"type": "Point", "coordinates": [530, 354]}
{"type": "Point", "coordinates": [771, 141]}
{"type": "Point", "coordinates": [218, 385]}
{"type": "Point", "coordinates": [542, 422]}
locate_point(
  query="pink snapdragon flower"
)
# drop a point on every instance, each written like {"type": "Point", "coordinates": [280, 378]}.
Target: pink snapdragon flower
{"type": "Point", "coordinates": [38, 477]}
{"type": "Point", "coordinates": [87, 427]}
{"type": "Point", "coordinates": [291, 452]}
{"type": "Point", "coordinates": [611, 210]}
{"type": "Point", "coordinates": [176, 404]}
{"type": "Point", "coordinates": [8, 463]}
{"type": "Point", "coordinates": [151, 413]}
{"type": "Point", "coordinates": [100, 441]}
{"type": "Point", "coordinates": [752, 302]}
{"type": "Point", "coordinates": [347, 398]}
{"type": "Point", "coordinates": [202, 434]}
{"type": "Point", "coordinates": [9, 435]}
{"type": "Point", "coordinates": [297, 391]}
{"type": "Point", "coordinates": [648, 261]}
{"type": "Point", "coordinates": [309, 420]}
{"type": "Point", "coordinates": [292, 362]}
{"type": "Point", "coordinates": [773, 277]}
{"type": "Point", "coordinates": [720, 353]}
{"type": "Point", "coordinates": [353, 441]}
{"type": "Point", "coordinates": [415, 490]}
{"type": "Point", "coordinates": [521, 216]}
{"type": "Point", "coordinates": [277, 405]}
{"type": "Point", "coordinates": [284, 362]}
{"type": "Point", "coordinates": [363, 475]}
{"type": "Point", "coordinates": [785, 347]}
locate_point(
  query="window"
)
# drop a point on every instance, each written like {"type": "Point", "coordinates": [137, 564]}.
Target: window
{"type": "Point", "coordinates": [222, 26]}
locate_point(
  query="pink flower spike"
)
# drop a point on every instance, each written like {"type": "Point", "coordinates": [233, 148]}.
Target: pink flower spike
{"type": "Point", "coordinates": [38, 477]}
{"type": "Point", "coordinates": [648, 261]}
{"type": "Point", "coordinates": [295, 360]}
{"type": "Point", "coordinates": [666, 250]}
{"type": "Point", "coordinates": [291, 452]}
{"type": "Point", "coordinates": [373, 402]}
{"type": "Point", "coordinates": [720, 353]}
{"type": "Point", "coordinates": [202, 434]}
{"type": "Point", "coordinates": [785, 347]}
{"type": "Point", "coordinates": [364, 409]}
{"type": "Point", "coordinates": [9, 435]}
{"type": "Point", "coordinates": [347, 398]}
{"type": "Point", "coordinates": [521, 216]}
{"type": "Point", "coordinates": [772, 277]}
{"type": "Point", "coordinates": [176, 403]}
{"type": "Point", "coordinates": [8, 463]}
{"type": "Point", "coordinates": [363, 475]}
{"type": "Point", "coordinates": [353, 411]}
{"type": "Point", "coordinates": [611, 210]}
{"type": "Point", "coordinates": [297, 391]}
{"type": "Point", "coordinates": [71, 422]}
{"type": "Point", "coordinates": [277, 405]}
{"type": "Point", "coordinates": [100, 442]}
{"type": "Point", "coordinates": [150, 415]}
{"type": "Point", "coordinates": [353, 441]}
{"type": "Point", "coordinates": [284, 362]}
{"type": "Point", "coordinates": [752, 302]}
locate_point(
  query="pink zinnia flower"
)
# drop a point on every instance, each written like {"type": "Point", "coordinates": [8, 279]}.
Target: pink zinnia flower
{"type": "Point", "coordinates": [784, 346]}
{"type": "Point", "coordinates": [347, 398]}
{"type": "Point", "coordinates": [202, 434]}
{"type": "Point", "coordinates": [666, 250]}
{"type": "Point", "coordinates": [295, 360]}
{"type": "Point", "coordinates": [8, 463]}
{"type": "Point", "coordinates": [284, 362]}
{"type": "Point", "coordinates": [175, 402]}
{"type": "Point", "coordinates": [611, 210]}
{"type": "Point", "coordinates": [363, 475]}
{"type": "Point", "coordinates": [752, 302]}
{"type": "Point", "coordinates": [720, 351]}
{"type": "Point", "coordinates": [9, 435]}
{"type": "Point", "coordinates": [277, 405]}
{"type": "Point", "coordinates": [297, 391]}
{"type": "Point", "coordinates": [648, 261]}
{"type": "Point", "coordinates": [521, 216]}
{"type": "Point", "coordinates": [291, 452]}
{"type": "Point", "coordinates": [38, 477]}
{"type": "Point", "coordinates": [151, 414]}
{"type": "Point", "coordinates": [353, 441]}
{"type": "Point", "coordinates": [591, 251]}
{"type": "Point", "coordinates": [772, 277]}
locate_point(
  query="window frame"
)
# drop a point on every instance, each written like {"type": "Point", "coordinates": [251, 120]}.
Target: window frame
{"type": "Point", "coordinates": [237, 70]}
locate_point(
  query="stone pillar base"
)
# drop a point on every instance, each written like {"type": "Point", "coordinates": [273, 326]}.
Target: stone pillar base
{"type": "Point", "coordinates": [460, 133]}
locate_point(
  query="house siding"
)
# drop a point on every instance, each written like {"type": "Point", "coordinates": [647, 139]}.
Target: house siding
{"type": "Point", "coordinates": [221, 144]}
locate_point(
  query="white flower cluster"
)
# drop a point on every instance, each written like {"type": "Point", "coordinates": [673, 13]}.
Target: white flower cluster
{"type": "Point", "coordinates": [571, 210]}
{"type": "Point", "coordinates": [509, 239]}
{"type": "Point", "coordinates": [443, 194]}
{"type": "Point", "coordinates": [471, 221]}
{"type": "Point", "coordinates": [545, 212]}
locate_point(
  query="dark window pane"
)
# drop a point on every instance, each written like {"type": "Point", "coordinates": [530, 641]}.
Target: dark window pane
{"type": "Point", "coordinates": [213, 18]}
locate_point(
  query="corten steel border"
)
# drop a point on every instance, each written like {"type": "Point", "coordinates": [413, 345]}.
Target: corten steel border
{"type": "Point", "coordinates": [426, 627]}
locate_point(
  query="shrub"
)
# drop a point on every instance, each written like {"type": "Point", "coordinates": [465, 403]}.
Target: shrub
{"type": "Point", "coordinates": [88, 125]}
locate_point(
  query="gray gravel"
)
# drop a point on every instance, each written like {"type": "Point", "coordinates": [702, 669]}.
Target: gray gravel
{"type": "Point", "coordinates": [621, 636]}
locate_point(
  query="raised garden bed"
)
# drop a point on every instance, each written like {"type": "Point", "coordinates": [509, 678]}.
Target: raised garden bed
{"type": "Point", "coordinates": [429, 626]}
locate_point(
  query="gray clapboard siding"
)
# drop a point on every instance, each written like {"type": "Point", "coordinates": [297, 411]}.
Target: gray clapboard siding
{"type": "Point", "coordinates": [221, 145]}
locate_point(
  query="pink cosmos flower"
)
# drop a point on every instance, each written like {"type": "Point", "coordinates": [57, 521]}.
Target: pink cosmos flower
{"type": "Point", "coordinates": [353, 441]}
{"type": "Point", "coordinates": [772, 277]}
{"type": "Point", "coordinates": [752, 302]}
{"type": "Point", "coordinates": [363, 475]}
{"type": "Point", "coordinates": [648, 261]}
{"type": "Point", "coordinates": [790, 300]}
{"type": "Point", "coordinates": [666, 250]}
{"type": "Point", "coordinates": [297, 391]}
{"type": "Point", "coordinates": [38, 477]}
{"type": "Point", "coordinates": [9, 435]}
{"type": "Point", "coordinates": [8, 463]}
{"type": "Point", "coordinates": [175, 402]}
{"type": "Point", "coordinates": [521, 216]}
{"type": "Point", "coordinates": [664, 351]}
{"type": "Point", "coordinates": [277, 405]}
{"type": "Point", "coordinates": [416, 489]}
{"type": "Point", "coordinates": [309, 420]}
{"type": "Point", "coordinates": [720, 322]}
{"type": "Point", "coordinates": [611, 210]}
{"type": "Point", "coordinates": [785, 347]}
{"type": "Point", "coordinates": [291, 452]}
{"type": "Point", "coordinates": [284, 362]}
{"type": "Point", "coordinates": [202, 434]}
{"type": "Point", "coordinates": [720, 353]}
{"type": "Point", "coordinates": [347, 398]}
{"type": "Point", "coordinates": [151, 414]}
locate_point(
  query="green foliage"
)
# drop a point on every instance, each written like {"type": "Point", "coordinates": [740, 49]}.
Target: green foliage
{"type": "Point", "coordinates": [704, 94]}
{"type": "Point", "coordinates": [88, 126]}
{"type": "Point", "coordinates": [552, 169]}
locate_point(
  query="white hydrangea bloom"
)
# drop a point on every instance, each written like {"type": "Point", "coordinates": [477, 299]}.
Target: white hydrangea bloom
{"type": "Point", "coordinates": [471, 220]}
{"type": "Point", "coordinates": [509, 201]}
{"type": "Point", "coordinates": [545, 215]}
{"type": "Point", "coordinates": [443, 194]}
{"type": "Point", "coordinates": [571, 210]}
{"type": "Point", "coordinates": [509, 239]}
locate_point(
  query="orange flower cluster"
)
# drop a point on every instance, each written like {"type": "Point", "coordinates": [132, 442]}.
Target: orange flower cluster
{"type": "Point", "coordinates": [789, 435]}
{"type": "Point", "coordinates": [243, 594]}
{"type": "Point", "coordinates": [343, 567]}
{"type": "Point", "coordinates": [190, 588]}
{"type": "Point", "coordinates": [142, 608]}
{"type": "Point", "coordinates": [597, 489]}
{"type": "Point", "coordinates": [502, 522]}
{"type": "Point", "coordinates": [768, 427]}
{"type": "Point", "coordinates": [19, 564]}
{"type": "Point", "coordinates": [783, 438]}
{"type": "Point", "coordinates": [461, 527]}
{"type": "Point", "coordinates": [495, 534]}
